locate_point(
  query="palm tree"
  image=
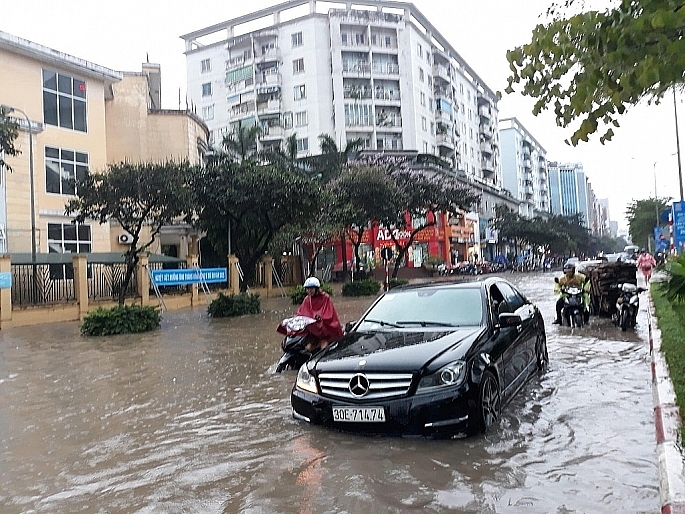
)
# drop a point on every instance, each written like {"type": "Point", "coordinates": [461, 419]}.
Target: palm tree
{"type": "Point", "coordinates": [242, 142]}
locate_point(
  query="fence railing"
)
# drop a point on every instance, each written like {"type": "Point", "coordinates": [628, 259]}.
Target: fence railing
{"type": "Point", "coordinates": [105, 281]}
{"type": "Point", "coordinates": [42, 284]}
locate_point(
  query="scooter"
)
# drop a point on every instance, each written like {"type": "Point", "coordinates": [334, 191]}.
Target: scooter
{"type": "Point", "coordinates": [573, 311]}
{"type": "Point", "coordinates": [294, 345]}
{"type": "Point", "coordinates": [627, 306]}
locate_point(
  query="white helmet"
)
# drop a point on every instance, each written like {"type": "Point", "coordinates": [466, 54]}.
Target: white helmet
{"type": "Point", "coordinates": [312, 282]}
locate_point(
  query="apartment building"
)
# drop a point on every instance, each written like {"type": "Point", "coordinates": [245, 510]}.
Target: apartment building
{"type": "Point", "coordinates": [524, 168]}
{"type": "Point", "coordinates": [378, 71]}
{"type": "Point", "coordinates": [571, 192]}
{"type": "Point", "coordinates": [81, 116]}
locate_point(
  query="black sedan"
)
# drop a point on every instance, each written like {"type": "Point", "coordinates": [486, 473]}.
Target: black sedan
{"type": "Point", "coordinates": [435, 360]}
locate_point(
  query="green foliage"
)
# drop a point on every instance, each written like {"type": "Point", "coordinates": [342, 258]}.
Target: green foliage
{"type": "Point", "coordinates": [674, 287]}
{"type": "Point", "coordinates": [137, 196]}
{"type": "Point", "coordinates": [8, 134]}
{"type": "Point", "coordinates": [670, 319]}
{"type": "Point", "coordinates": [122, 319]}
{"type": "Point", "coordinates": [643, 216]}
{"type": "Point", "coordinates": [433, 261]}
{"type": "Point", "coordinates": [592, 66]}
{"type": "Point", "coordinates": [397, 282]}
{"type": "Point", "coordinates": [234, 305]}
{"type": "Point", "coordinates": [367, 287]}
{"type": "Point", "coordinates": [297, 295]}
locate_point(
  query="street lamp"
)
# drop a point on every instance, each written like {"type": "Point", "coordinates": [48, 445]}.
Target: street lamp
{"type": "Point", "coordinates": [8, 109]}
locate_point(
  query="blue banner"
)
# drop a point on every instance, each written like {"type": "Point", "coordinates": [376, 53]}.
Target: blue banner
{"type": "Point", "coordinates": [5, 280]}
{"type": "Point", "coordinates": [184, 277]}
{"type": "Point", "coordinates": [679, 225]}
{"type": "Point", "coordinates": [660, 240]}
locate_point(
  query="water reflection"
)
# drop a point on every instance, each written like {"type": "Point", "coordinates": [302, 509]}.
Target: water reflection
{"type": "Point", "coordinates": [191, 419]}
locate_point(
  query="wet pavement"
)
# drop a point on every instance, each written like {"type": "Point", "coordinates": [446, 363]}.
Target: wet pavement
{"type": "Point", "coordinates": [190, 418]}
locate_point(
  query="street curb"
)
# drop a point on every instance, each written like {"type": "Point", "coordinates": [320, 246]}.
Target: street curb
{"type": "Point", "coordinates": [667, 424]}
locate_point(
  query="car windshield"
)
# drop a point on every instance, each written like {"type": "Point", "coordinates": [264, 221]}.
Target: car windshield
{"type": "Point", "coordinates": [440, 307]}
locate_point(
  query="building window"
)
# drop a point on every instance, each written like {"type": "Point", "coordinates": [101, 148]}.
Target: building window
{"type": "Point", "coordinates": [425, 147]}
{"type": "Point", "coordinates": [430, 81]}
{"type": "Point", "coordinates": [343, 37]}
{"type": "Point", "coordinates": [358, 115]}
{"type": "Point", "coordinates": [67, 238]}
{"type": "Point", "coordinates": [421, 75]}
{"type": "Point", "coordinates": [64, 101]}
{"type": "Point", "coordinates": [287, 120]}
{"type": "Point", "coordinates": [303, 145]}
{"type": "Point", "coordinates": [419, 50]}
{"type": "Point", "coordinates": [301, 119]}
{"type": "Point", "coordinates": [300, 92]}
{"type": "Point", "coordinates": [208, 112]}
{"type": "Point", "coordinates": [424, 123]}
{"type": "Point", "coordinates": [298, 66]}
{"type": "Point", "coordinates": [207, 89]}
{"type": "Point", "coordinates": [422, 96]}
{"type": "Point", "coordinates": [206, 65]}
{"type": "Point", "coordinates": [62, 168]}
{"type": "Point", "coordinates": [432, 128]}
{"type": "Point", "coordinates": [296, 39]}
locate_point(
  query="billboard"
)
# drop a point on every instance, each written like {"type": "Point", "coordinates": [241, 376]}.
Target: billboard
{"type": "Point", "coordinates": [678, 210]}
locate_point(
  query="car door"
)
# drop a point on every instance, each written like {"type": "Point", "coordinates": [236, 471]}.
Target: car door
{"type": "Point", "coordinates": [523, 356]}
{"type": "Point", "coordinates": [503, 339]}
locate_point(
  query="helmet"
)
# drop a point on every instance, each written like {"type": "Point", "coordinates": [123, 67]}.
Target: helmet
{"type": "Point", "coordinates": [312, 282]}
{"type": "Point", "coordinates": [569, 266]}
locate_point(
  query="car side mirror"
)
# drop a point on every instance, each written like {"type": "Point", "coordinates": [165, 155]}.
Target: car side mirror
{"type": "Point", "coordinates": [556, 279]}
{"type": "Point", "coordinates": [349, 325]}
{"type": "Point", "coordinates": [507, 319]}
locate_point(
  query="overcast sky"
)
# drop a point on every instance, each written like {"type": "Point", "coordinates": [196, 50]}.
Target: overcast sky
{"type": "Point", "coordinates": [120, 35]}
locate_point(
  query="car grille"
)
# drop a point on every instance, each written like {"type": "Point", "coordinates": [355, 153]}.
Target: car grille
{"type": "Point", "coordinates": [380, 385]}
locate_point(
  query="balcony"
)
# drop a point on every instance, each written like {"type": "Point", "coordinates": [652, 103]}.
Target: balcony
{"type": "Point", "coordinates": [527, 164]}
{"type": "Point", "coordinates": [241, 111]}
{"type": "Point", "coordinates": [488, 167]}
{"type": "Point", "coordinates": [238, 62]}
{"type": "Point", "coordinates": [268, 78]}
{"type": "Point", "coordinates": [441, 72]}
{"type": "Point", "coordinates": [241, 86]}
{"type": "Point", "coordinates": [385, 122]}
{"type": "Point", "coordinates": [486, 131]}
{"type": "Point", "coordinates": [484, 112]}
{"type": "Point", "coordinates": [380, 41]}
{"type": "Point", "coordinates": [443, 117]}
{"type": "Point", "coordinates": [271, 133]}
{"type": "Point", "coordinates": [442, 92]}
{"type": "Point", "coordinates": [269, 107]}
{"type": "Point", "coordinates": [528, 191]}
{"type": "Point", "coordinates": [357, 92]}
{"type": "Point", "coordinates": [445, 140]}
{"type": "Point", "coordinates": [486, 148]}
{"type": "Point", "coordinates": [388, 68]}
{"type": "Point", "coordinates": [387, 95]}
{"type": "Point", "coordinates": [358, 68]}
{"type": "Point", "coordinates": [269, 55]}
{"type": "Point", "coordinates": [360, 45]}
{"type": "Point", "coordinates": [388, 143]}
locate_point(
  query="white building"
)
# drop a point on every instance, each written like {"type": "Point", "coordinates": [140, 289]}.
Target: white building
{"type": "Point", "coordinates": [380, 72]}
{"type": "Point", "coordinates": [524, 168]}
{"type": "Point", "coordinates": [570, 191]}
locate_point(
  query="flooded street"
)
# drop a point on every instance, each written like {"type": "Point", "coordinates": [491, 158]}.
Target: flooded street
{"type": "Point", "coordinates": [190, 419]}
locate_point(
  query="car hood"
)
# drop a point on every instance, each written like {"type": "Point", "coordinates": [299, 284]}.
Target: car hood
{"type": "Point", "coordinates": [394, 350]}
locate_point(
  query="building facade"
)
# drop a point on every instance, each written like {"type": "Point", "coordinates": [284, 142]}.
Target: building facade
{"type": "Point", "coordinates": [379, 72]}
{"type": "Point", "coordinates": [571, 192]}
{"type": "Point", "coordinates": [524, 168]}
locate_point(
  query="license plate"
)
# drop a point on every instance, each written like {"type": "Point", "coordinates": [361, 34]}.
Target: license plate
{"type": "Point", "coordinates": [359, 414]}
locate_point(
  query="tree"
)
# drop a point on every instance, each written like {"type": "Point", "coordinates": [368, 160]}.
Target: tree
{"type": "Point", "coordinates": [594, 65]}
{"type": "Point", "coordinates": [642, 217]}
{"type": "Point", "coordinates": [136, 196]}
{"type": "Point", "coordinates": [241, 143]}
{"type": "Point", "coordinates": [8, 134]}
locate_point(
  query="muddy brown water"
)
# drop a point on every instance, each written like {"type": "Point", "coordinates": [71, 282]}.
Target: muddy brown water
{"type": "Point", "coordinates": [191, 419]}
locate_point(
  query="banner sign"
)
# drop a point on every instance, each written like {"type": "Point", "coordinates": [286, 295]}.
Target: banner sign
{"type": "Point", "coordinates": [6, 280]}
{"type": "Point", "coordinates": [660, 240]}
{"type": "Point", "coordinates": [184, 277]}
{"type": "Point", "coordinates": [679, 225]}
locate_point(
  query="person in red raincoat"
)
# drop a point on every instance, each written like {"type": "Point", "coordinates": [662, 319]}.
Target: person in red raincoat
{"type": "Point", "coordinates": [318, 305]}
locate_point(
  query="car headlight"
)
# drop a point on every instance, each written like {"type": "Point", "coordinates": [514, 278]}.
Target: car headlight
{"type": "Point", "coordinates": [306, 381]}
{"type": "Point", "coordinates": [451, 375]}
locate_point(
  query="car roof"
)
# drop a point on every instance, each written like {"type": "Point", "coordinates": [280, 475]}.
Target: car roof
{"type": "Point", "coordinates": [480, 282]}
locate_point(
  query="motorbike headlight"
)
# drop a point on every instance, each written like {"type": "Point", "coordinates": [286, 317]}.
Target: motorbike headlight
{"type": "Point", "coordinates": [451, 375]}
{"type": "Point", "coordinates": [306, 380]}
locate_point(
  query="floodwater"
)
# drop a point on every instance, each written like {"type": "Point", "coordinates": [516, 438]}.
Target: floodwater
{"type": "Point", "coordinates": [190, 419]}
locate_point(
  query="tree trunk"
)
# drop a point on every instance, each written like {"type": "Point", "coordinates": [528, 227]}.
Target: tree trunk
{"type": "Point", "coordinates": [343, 250]}
{"type": "Point", "coordinates": [131, 263]}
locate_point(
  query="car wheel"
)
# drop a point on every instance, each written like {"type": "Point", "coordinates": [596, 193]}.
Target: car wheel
{"type": "Point", "coordinates": [541, 352]}
{"type": "Point", "coordinates": [489, 404]}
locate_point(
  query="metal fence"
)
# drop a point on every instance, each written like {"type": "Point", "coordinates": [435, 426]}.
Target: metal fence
{"type": "Point", "coordinates": [105, 281]}
{"type": "Point", "coordinates": [41, 284]}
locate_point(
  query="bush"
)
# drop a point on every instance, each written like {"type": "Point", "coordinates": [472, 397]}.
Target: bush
{"type": "Point", "coordinates": [297, 295]}
{"type": "Point", "coordinates": [433, 261]}
{"type": "Point", "coordinates": [234, 305]}
{"type": "Point", "coordinates": [674, 286]}
{"type": "Point", "coordinates": [122, 319]}
{"type": "Point", "coordinates": [397, 282]}
{"type": "Point", "coordinates": [368, 287]}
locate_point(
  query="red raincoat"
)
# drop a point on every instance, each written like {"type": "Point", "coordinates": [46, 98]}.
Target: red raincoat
{"type": "Point", "coordinates": [320, 304]}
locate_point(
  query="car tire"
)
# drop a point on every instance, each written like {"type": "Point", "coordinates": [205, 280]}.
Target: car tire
{"type": "Point", "coordinates": [489, 409]}
{"type": "Point", "coordinates": [541, 352]}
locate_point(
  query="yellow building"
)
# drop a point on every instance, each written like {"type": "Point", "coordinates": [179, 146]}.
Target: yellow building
{"type": "Point", "coordinates": [82, 116]}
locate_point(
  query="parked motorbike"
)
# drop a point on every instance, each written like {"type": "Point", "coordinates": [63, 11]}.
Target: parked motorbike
{"type": "Point", "coordinates": [297, 340]}
{"type": "Point", "coordinates": [627, 306]}
{"type": "Point", "coordinates": [573, 311]}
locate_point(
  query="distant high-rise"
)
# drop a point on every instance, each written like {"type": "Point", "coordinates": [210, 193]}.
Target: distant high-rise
{"type": "Point", "coordinates": [570, 191]}
{"type": "Point", "coordinates": [379, 72]}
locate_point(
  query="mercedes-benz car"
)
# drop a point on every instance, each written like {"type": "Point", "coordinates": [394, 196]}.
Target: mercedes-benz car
{"type": "Point", "coordinates": [437, 360]}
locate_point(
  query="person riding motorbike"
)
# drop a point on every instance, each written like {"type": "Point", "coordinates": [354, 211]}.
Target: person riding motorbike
{"type": "Point", "coordinates": [571, 278]}
{"type": "Point", "coordinates": [318, 305]}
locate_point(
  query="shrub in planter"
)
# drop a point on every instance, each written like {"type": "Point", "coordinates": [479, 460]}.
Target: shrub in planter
{"type": "Point", "coordinates": [122, 319]}
{"type": "Point", "coordinates": [297, 295]}
{"type": "Point", "coordinates": [368, 287]}
{"type": "Point", "coordinates": [674, 286]}
{"type": "Point", "coordinates": [234, 305]}
{"type": "Point", "coordinates": [396, 282]}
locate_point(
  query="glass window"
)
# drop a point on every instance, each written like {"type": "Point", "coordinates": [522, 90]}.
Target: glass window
{"type": "Point", "coordinates": [208, 112]}
{"type": "Point", "coordinates": [62, 168]}
{"type": "Point", "coordinates": [207, 89]}
{"type": "Point", "coordinates": [300, 92]}
{"type": "Point", "coordinates": [303, 145]}
{"type": "Point", "coordinates": [64, 103]}
{"type": "Point", "coordinates": [422, 96]}
{"type": "Point", "coordinates": [296, 39]}
{"type": "Point", "coordinates": [300, 119]}
{"type": "Point", "coordinates": [67, 238]}
{"type": "Point", "coordinates": [298, 66]}
{"type": "Point", "coordinates": [205, 65]}
{"type": "Point", "coordinates": [421, 75]}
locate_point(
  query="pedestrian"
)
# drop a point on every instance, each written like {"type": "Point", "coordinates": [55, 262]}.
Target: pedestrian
{"type": "Point", "coordinates": [646, 262]}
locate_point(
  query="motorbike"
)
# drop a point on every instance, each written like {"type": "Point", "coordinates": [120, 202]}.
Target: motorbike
{"type": "Point", "coordinates": [573, 313]}
{"type": "Point", "coordinates": [294, 345]}
{"type": "Point", "coordinates": [627, 306]}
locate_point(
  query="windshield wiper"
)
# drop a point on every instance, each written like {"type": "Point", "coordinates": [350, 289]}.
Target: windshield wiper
{"type": "Point", "coordinates": [427, 323]}
{"type": "Point", "coordinates": [381, 323]}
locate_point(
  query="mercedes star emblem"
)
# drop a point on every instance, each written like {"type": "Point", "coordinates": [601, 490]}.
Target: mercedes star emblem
{"type": "Point", "coordinates": [359, 385]}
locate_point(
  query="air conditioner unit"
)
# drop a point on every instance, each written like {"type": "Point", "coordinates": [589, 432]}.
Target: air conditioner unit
{"type": "Point", "coordinates": [125, 239]}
